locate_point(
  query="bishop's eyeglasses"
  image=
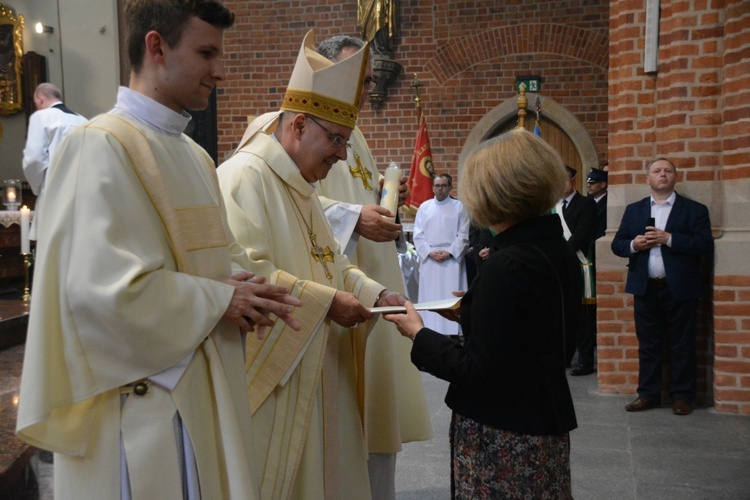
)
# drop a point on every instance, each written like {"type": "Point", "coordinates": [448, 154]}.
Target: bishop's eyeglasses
{"type": "Point", "coordinates": [337, 141]}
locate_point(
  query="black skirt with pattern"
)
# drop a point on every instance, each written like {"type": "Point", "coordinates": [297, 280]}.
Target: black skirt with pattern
{"type": "Point", "coordinates": [488, 463]}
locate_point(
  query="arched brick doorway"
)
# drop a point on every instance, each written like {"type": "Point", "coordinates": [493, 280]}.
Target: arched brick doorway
{"type": "Point", "coordinates": [559, 128]}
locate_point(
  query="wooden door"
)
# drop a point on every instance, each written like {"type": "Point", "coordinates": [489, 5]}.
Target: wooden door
{"type": "Point", "coordinates": [558, 139]}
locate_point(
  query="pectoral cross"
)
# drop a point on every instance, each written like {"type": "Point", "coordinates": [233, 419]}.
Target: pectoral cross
{"type": "Point", "coordinates": [321, 255]}
{"type": "Point", "coordinates": [361, 172]}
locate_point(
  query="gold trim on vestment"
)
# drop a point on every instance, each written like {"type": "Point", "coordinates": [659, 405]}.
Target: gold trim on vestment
{"type": "Point", "coordinates": [268, 360]}
{"type": "Point", "coordinates": [200, 229]}
{"type": "Point", "coordinates": [146, 168]}
{"type": "Point", "coordinates": [320, 106]}
{"type": "Point", "coordinates": [360, 172]}
{"type": "Point", "coordinates": [267, 363]}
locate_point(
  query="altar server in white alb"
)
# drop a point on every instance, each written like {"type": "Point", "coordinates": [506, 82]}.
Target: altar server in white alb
{"type": "Point", "coordinates": [441, 238]}
{"type": "Point", "coordinates": [395, 404]}
{"type": "Point", "coordinates": [47, 126]}
{"type": "Point", "coordinates": [134, 369]}
{"type": "Point", "coordinates": [307, 387]}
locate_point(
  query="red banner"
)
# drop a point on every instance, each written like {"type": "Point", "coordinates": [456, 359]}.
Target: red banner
{"type": "Point", "coordinates": [422, 171]}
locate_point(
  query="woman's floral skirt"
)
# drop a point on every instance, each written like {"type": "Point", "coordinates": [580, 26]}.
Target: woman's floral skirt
{"type": "Point", "coordinates": [488, 463]}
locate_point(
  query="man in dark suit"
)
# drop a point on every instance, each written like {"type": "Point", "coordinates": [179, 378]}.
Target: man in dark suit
{"type": "Point", "coordinates": [664, 236]}
{"type": "Point", "coordinates": [579, 213]}
{"type": "Point", "coordinates": [586, 342]}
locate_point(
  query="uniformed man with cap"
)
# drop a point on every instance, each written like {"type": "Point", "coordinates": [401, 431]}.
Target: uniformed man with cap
{"type": "Point", "coordinates": [579, 226]}
{"type": "Point", "coordinates": [586, 342]}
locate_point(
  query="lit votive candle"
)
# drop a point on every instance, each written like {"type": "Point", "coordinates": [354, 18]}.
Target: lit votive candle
{"type": "Point", "coordinates": [25, 218]}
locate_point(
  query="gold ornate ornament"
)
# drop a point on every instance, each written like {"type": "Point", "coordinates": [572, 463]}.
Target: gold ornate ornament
{"type": "Point", "coordinates": [361, 172]}
{"type": "Point", "coordinates": [11, 52]}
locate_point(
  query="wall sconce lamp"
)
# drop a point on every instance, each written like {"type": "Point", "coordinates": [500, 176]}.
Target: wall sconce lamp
{"type": "Point", "coordinates": [385, 70]}
{"type": "Point", "coordinates": [41, 28]}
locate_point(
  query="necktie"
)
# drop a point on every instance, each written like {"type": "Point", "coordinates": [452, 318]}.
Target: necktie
{"type": "Point", "coordinates": [565, 205]}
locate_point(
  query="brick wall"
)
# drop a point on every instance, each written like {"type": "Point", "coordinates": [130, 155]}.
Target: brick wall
{"type": "Point", "coordinates": [466, 54]}
{"type": "Point", "coordinates": [732, 343]}
{"type": "Point", "coordinates": [736, 92]}
{"type": "Point", "coordinates": [732, 290]}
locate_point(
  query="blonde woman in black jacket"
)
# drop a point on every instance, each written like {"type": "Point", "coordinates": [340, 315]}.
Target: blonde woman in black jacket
{"type": "Point", "coordinates": [512, 409]}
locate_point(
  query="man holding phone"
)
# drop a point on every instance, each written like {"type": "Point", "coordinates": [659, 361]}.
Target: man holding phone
{"type": "Point", "coordinates": [664, 236]}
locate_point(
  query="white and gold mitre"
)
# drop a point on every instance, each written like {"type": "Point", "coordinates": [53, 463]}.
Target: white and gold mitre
{"type": "Point", "coordinates": [327, 90]}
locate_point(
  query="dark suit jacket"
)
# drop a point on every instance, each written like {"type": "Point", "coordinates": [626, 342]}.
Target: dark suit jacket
{"type": "Point", "coordinates": [601, 226]}
{"type": "Point", "coordinates": [690, 227]}
{"type": "Point", "coordinates": [510, 372]}
{"type": "Point", "coordinates": [601, 217]}
{"type": "Point", "coordinates": [479, 238]}
{"type": "Point", "coordinates": [580, 216]}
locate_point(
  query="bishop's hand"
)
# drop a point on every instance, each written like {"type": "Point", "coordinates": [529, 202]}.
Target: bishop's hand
{"type": "Point", "coordinates": [373, 225]}
{"type": "Point", "coordinates": [347, 310]}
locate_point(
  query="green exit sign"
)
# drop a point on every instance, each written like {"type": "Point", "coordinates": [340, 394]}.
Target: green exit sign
{"type": "Point", "coordinates": [533, 83]}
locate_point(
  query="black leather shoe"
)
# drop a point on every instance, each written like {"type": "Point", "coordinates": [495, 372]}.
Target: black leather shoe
{"type": "Point", "coordinates": [680, 408]}
{"type": "Point", "coordinates": [582, 370]}
{"type": "Point", "coordinates": [640, 404]}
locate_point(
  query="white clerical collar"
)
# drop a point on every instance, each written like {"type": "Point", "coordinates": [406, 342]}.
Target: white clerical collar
{"type": "Point", "coordinates": [669, 201]}
{"type": "Point", "coordinates": [148, 112]}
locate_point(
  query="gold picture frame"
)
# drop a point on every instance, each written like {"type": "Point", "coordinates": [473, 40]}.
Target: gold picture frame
{"type": "Point", "coordinates": [11, 53]}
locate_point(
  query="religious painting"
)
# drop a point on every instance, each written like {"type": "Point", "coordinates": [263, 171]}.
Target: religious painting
{"type": "Point", "coordinates": [11, 53]}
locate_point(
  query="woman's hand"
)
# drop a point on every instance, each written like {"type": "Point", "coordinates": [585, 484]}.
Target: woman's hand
{"type": "Point", "coordinates": [453, 314]}
{"type": "Point", "coordinates": [409, 323]}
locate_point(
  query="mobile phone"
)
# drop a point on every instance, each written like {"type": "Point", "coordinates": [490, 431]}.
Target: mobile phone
{"type": "Point", "coordinates": [651, 222]}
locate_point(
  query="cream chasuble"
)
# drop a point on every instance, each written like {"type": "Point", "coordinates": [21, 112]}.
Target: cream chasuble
{"type": "Point", "coordinates": [395, 406]}
{"type": "Point", "coordinates": [113, 304]}
{"type": "Point", "coordinates": [303, 386]}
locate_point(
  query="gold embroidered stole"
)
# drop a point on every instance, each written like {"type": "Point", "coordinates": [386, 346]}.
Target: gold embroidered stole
{"type": "Point", "coordinates": [322, 271]}
{"type": "Point", "coordinates": [289, 370]}
{"type": "Point", "coordinates": [187, 228]}
{"type": "Point", "coordinates": [289, 397]}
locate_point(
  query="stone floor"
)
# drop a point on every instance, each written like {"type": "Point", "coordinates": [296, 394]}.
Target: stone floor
{"type": "Point", "coordinates": [614, 454]}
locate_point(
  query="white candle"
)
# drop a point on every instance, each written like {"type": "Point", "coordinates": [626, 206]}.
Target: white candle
{"type": "Point", "coordinates": [25, 217]}
{"type": "Point", "coordinates": [389, 196]}
{"type": "Point", "coordinates": [11, 194]}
